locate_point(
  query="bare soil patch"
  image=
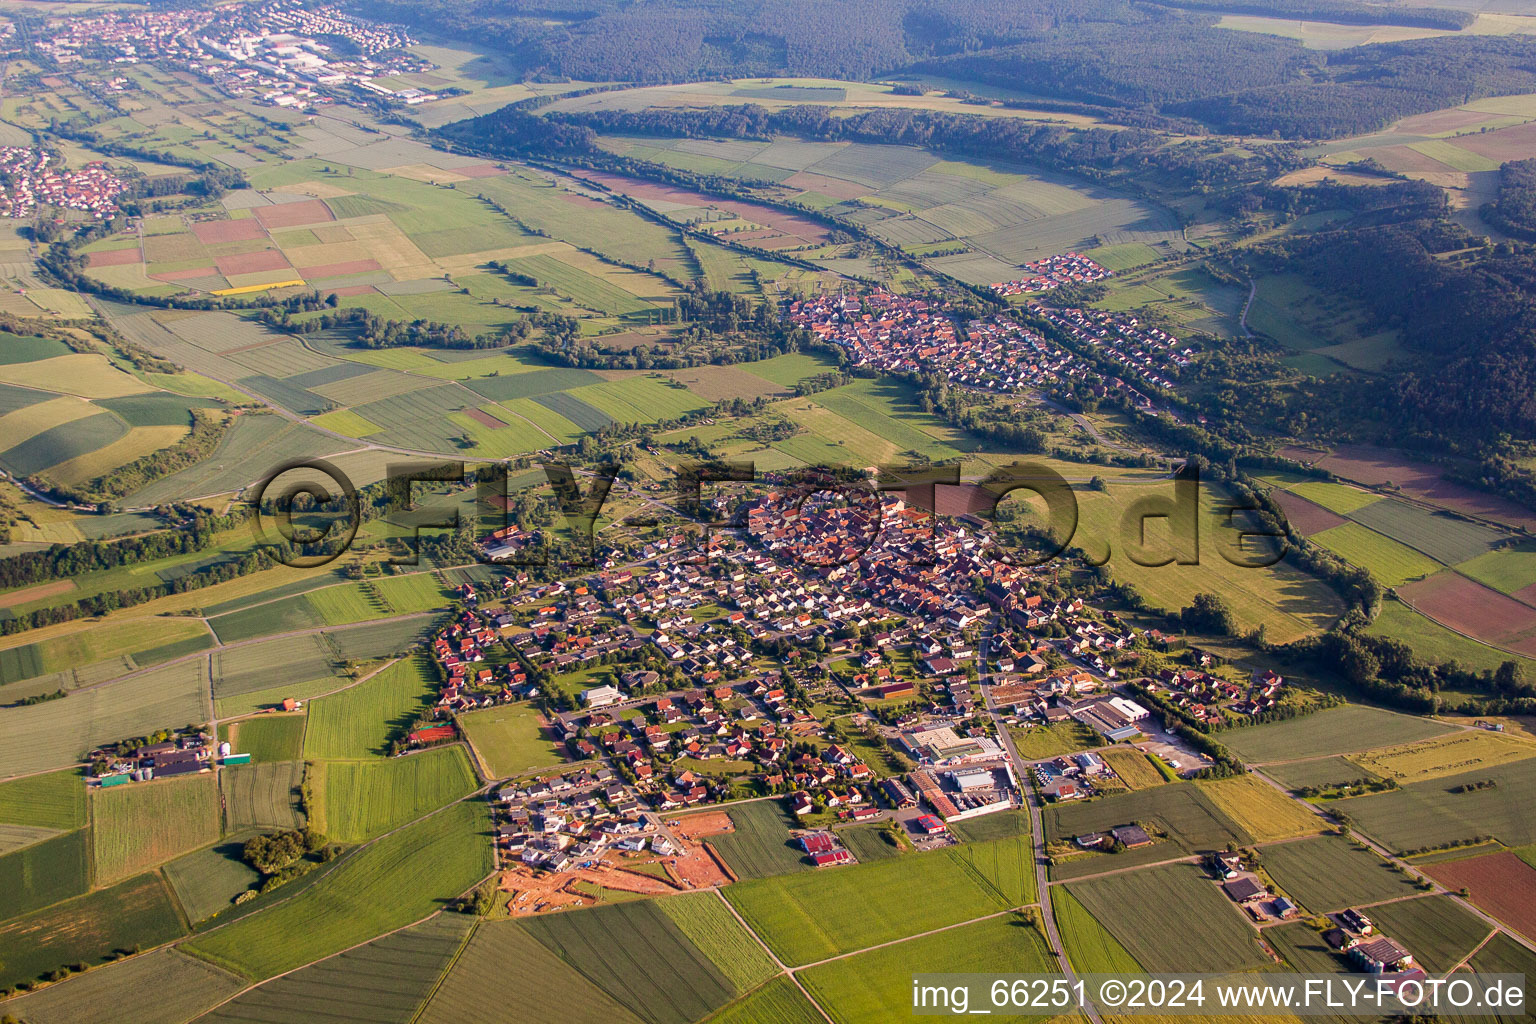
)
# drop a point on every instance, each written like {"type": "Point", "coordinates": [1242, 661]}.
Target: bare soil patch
{"type": "Point", "coordinates": [1500, 883]}
{"type": "Point", "coordinates": [213, 231]}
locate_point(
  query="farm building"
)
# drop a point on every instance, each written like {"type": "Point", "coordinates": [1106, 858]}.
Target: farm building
{"type": "Point", "coordinates": [1380, 955]}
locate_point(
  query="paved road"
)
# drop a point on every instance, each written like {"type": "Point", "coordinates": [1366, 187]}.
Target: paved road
{"type": "Point", "coordinates": [1036, 827]}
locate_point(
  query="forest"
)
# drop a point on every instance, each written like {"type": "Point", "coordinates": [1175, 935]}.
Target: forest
{"type": "Point", "coordinates": [1161, 59]}
{"type": "Point", "coordinates": [1514, 211]}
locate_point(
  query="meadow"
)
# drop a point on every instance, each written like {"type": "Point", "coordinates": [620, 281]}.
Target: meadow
{"type": "Point", "coordinates": [1509, 570]}
{"type": "Point", "coordinates": [384, 980]}
{"type": "Point", "coordinates": [1338, 730]}
{"type": "Point", "coordinates": [266, 738]}
{"type": "Point", "coordinates": [1442, 536]}
{"type": "Point", "coordinates": [634, 953]}
{"type": "Point", "coordinates": [358, 723]}
{"type": "Point", "coordinates": [1331, 872]}
{"type": "Point", "coordinates": [708, 924]}
{"type": "Point", "coordinates": [1259, 809]}
{"type": "Point", "coordinates": [163, 985]}
{"type": "Point", "coordinates": [1135, 905]}
{"type": "Point", "coordinates": [88, 929]}
{"type": "Point", "coordinates": [760, 846]}
{"type": "Point", "coordinates": [511, 739]}
{"type": "Point", "coordinates": [1305, 950]}
{"type": "Point", "coordinates": [876, 986]}
{"type": "Point", "coordinates": [1133, 768]}
{"type": "Point", "coordinates": [1434, 642]}
{"type": "Point", "coordinates": [55, 800]}
{"type": "Point", "coordinates": [206, 881]}
{"type": "Point", "coordinates": [503, 955]}
{"type": "Point", "coordinates": [356, 800]}
{"type": "Point", "coordinates": [808, 917]}
{"type": "Point", "coordinates": [1320, 771]}
{"type": "Point", "coordinates": [138, 826]}
{"type": "Point", "coordinates": [1190, 817]}
{"type": "Point", "coordinates": [399, 879]}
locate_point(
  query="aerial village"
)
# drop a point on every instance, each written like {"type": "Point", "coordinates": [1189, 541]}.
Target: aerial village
{"type": "Point", "coordinates": [904, 334]}
{"type": "Point", "coordinates": [31, 177]}
{"type": "Point", "coordinates": [1055, 271]}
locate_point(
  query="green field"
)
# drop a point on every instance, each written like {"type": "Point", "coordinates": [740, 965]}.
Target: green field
{"type": "Point", "coordinates": [262, 795]}
{"type": "Point", "coordinates": [267, 738]}
{"type": "Point", "coordinates": [1393, 564]}
{"type": "Point", "coordinates": [1338, 730]}
{"type": "Point", "coordinates": [1136, 905]}
{"type": "Point", "coordinates": [1507, 570]}
{"type": "Point", "coordinates": [1260, 810]}
{"type": "Point", "coordinates": [501, 957]}
{"type": "Point", "coordinates": [281, 661]}
{"type": "Point", "coordinates": [55, 800]}
{"type": "Point", "coordinates": [1044, 741]}
{"type": "Point", "coordinates": [399, 879]}
{"type": "Point", "coordinates": [875, 987]}
{"type": "Point", "coordinates": [634, 953]}
{"type": "Point", "coordinates": [1134, 768]}
{"type": "Point", "coordinates": [778, 1002]}
{"type": "Point", "coordinates": [1504, 955]}
{"type": "Point", "coordinates": [359, 722]}
{"type": "Point", "coordinates": [1425, 814]}
{"type": "Point", "coordinates": [709, 924]}
{"type": "Point", "coordinates": [159, 986]}
{"type": "Point", "coordinates": [1340, 498]}
{"type": "Point", "coordinates": [1438, 930]}
{"type": "Point", "coordinates": [999, 825]}
{"type": "Point", "coordinates": [1193, 822]}
{"type": "Point", "coordinates": [1321, 771]}
{"type": "Point", "coordinates": [761, 845]}
{"type": "Point", "coordinates": [57, 733]}
{"type": "Point", "coordinates": [356, 800]}
{"type": "Point", "coordinates": [868, 842]}
{"type": "Point", "coordinates": [1090, 947]}
{"type": "Point", "coordinates": [811, 916]}
{"type": "Point", "coordinates": [1434, 642]}
{"type": "Point", "coordinates": [1441, 536]}
{"type": "Point", "coordinates": [384, 980]}
{"type": "Point", "coordinates": [88, 928]}
{"type": "Point", "coordinates": [44, 873]}
{"type": "Point", "coordinates": [140, 825]}
{"type": "Point", "coordinates": [510, 739]}
{"type": "Point", "coordinates": [1330, 873]}
{"type": "Point", "coordinates": [1305, 949]}
{"type": "Point", "coordinates": [206, 881]}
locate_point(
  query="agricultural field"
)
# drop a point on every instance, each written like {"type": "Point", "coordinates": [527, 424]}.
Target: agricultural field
{"type": "Point", "coordinates": [1305, 950]}
{"type": "Point", "coordinates": [1315, 323]}
{"type": "Point", "coordinates": [1476, 611]}
{"type": "Point", "coordinates": [383, 981]}
{"type": "Point", "coordinates": [634, 953]}
{"type": "Point", "coordinates": [1039, 742]}
{"type": "Point", "coordinates": [1435, 642]}
{"type": "Point", "coordinates": [811, 916]}
{"type": "Point", "coordinates": [1259, 809]}
{"type": "Point", "coordinates": [1089, 946]}
{"type": "Point", "coordinates": [57, 733]}
{"type": "Point", "coordinates": [397, 880]}
{"type": "Point", "coordinates": [998, 825]}
{"type": "Point", "coordinates": [511, 739]}
{"type": "Point", "coordinates": [1320, 771]}
{"type": "Point", "coordinates": [206, 881]}
{"type": "Point", "coordinates": [778, 1002]}
{"type": "Point", "coordinates": [876, 986]}
{"type": "Point", "coordinates": [88, 929]}
{"type": "Point", "coordinates": [266, 738]}
{"type": "Point", "coordinates": [44, 873]}
{"type": "Point", "coordinates": [503, 956]}
{"type": "Point", "coordinates": [1134, 906]}
{"type": "Point", "coordinates": [1436, 928]}
{"type": "Point", "coordinates": [55, 800]}
{"type": "Point", "coordinates": [138, 826]}
{"type": "Point", "coordinates": [1134, 768]}
{"type": "Point", "coordinates": [1445, 538]}
{"type": "Point", "coordinates": [1191, 819]}
{"type": "Point", "coordinates": [163, 985]}
{"type": "Point", "coordinates": [760, 846]}
{"type": "Point", "coordinates": [1504, 955]}
{"type": "Point", "coordinates": [356, 800]}
{"type": "Point", "coordinates": [1330, 731]}
{"type": "Point", "coordinates": [1331, 872]}
{"type": "Point", "coordinates": [1452, 754]}
{"type": "Point", "coordinates": [1500, 883]}
{"type": "Point", "coordinates": [358, 723]}
{"type": "Point", "coordinates": [262, 795]}
{"type": "Point", "coordinates": [1429, 814]}
{"type": "Point", "coordinates": [80, 657]}
{"type": "Point", "coordinates": [1509, 570]}
{"type": "Point", "coordinates": [709, 924]}
{"type": "Point", "coordinates": [1393, 564]}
